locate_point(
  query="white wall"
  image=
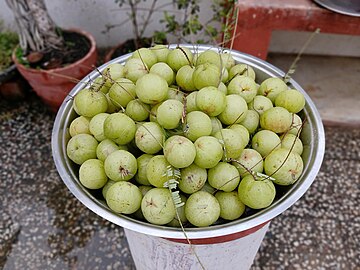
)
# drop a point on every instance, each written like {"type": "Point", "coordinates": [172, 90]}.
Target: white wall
{"type": "Point", "coordinates": [93, 15]}
{"type": "Point", "coordinates": [90, 15]}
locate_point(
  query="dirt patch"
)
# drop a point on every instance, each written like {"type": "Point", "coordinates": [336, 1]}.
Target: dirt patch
{"type": "Point", "coordinates": [77, 46]}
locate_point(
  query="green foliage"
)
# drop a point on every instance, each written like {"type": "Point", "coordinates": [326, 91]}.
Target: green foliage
{"type": "Point", "coordinates": [188, 26]}
{"type": "Point", "coordinates": [183, 21]}
{"type": "Point", "coordinates": [8, 41]}
{"type": "Point", "coordinates": [159, 37]}
{"type": "Point", "coordinates": [173, 176]}
{"type": "Point", "coordinates": [19, 53]}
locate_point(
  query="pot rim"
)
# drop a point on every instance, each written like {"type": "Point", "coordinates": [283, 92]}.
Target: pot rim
{"type": "Point", "coordinates": [316, 154]}
{"type": "Point", "coordinates": [89, 36]}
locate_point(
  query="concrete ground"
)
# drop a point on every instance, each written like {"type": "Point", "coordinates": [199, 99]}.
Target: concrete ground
{"type": "Point", "coordinates": [43, 226]}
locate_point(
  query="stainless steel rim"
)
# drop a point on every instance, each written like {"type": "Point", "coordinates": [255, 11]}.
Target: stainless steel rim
{"type": "Point", "coordinates": [342, 7]}
{"type": "Point", "coordinates": [316, 154]}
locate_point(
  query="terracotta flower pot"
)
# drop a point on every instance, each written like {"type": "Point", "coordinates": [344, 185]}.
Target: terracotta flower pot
{"type": "Point", "coordinates": [53, 85]}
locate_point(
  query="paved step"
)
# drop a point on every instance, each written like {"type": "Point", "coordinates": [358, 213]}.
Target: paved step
{"type": "Point", "coordinates": [333, 83]}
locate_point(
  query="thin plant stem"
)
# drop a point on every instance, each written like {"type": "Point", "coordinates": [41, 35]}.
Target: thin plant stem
{"type": "Point", "coordinates": [134, 22]}
{"type": "Point", "coordinates": [292, 68]}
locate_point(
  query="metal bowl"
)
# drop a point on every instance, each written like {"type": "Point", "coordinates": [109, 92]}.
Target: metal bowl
{"type": "Point", "coordinates": [349, 7]}
{"type": "Point", "coordinates": [312, 136]}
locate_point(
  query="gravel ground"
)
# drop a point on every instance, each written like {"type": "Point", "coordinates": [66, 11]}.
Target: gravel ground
{"type": "Point", "coordinates": [43, 226]}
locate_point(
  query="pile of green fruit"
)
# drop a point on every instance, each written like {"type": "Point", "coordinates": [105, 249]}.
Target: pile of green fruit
{"type": "Point", "coordinates": [175, 136]}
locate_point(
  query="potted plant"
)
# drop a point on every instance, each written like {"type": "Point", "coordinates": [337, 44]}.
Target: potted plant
{"type": "Point", "coordinates": [188, 28]}
{"type": "Point", "coordinates": [11, 83]}
{"type": "Point", "coordinates": [140, 19]}
{"type": "Point", "coordinates": [8, 41]}
{"type": "Point", "coordinates": [181, 23]}
{"type": "Point", "coordinates": [50, 58]}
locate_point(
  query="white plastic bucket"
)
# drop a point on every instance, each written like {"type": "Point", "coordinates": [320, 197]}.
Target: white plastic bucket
{"type": "Point", "coordinates": [236, 251]}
